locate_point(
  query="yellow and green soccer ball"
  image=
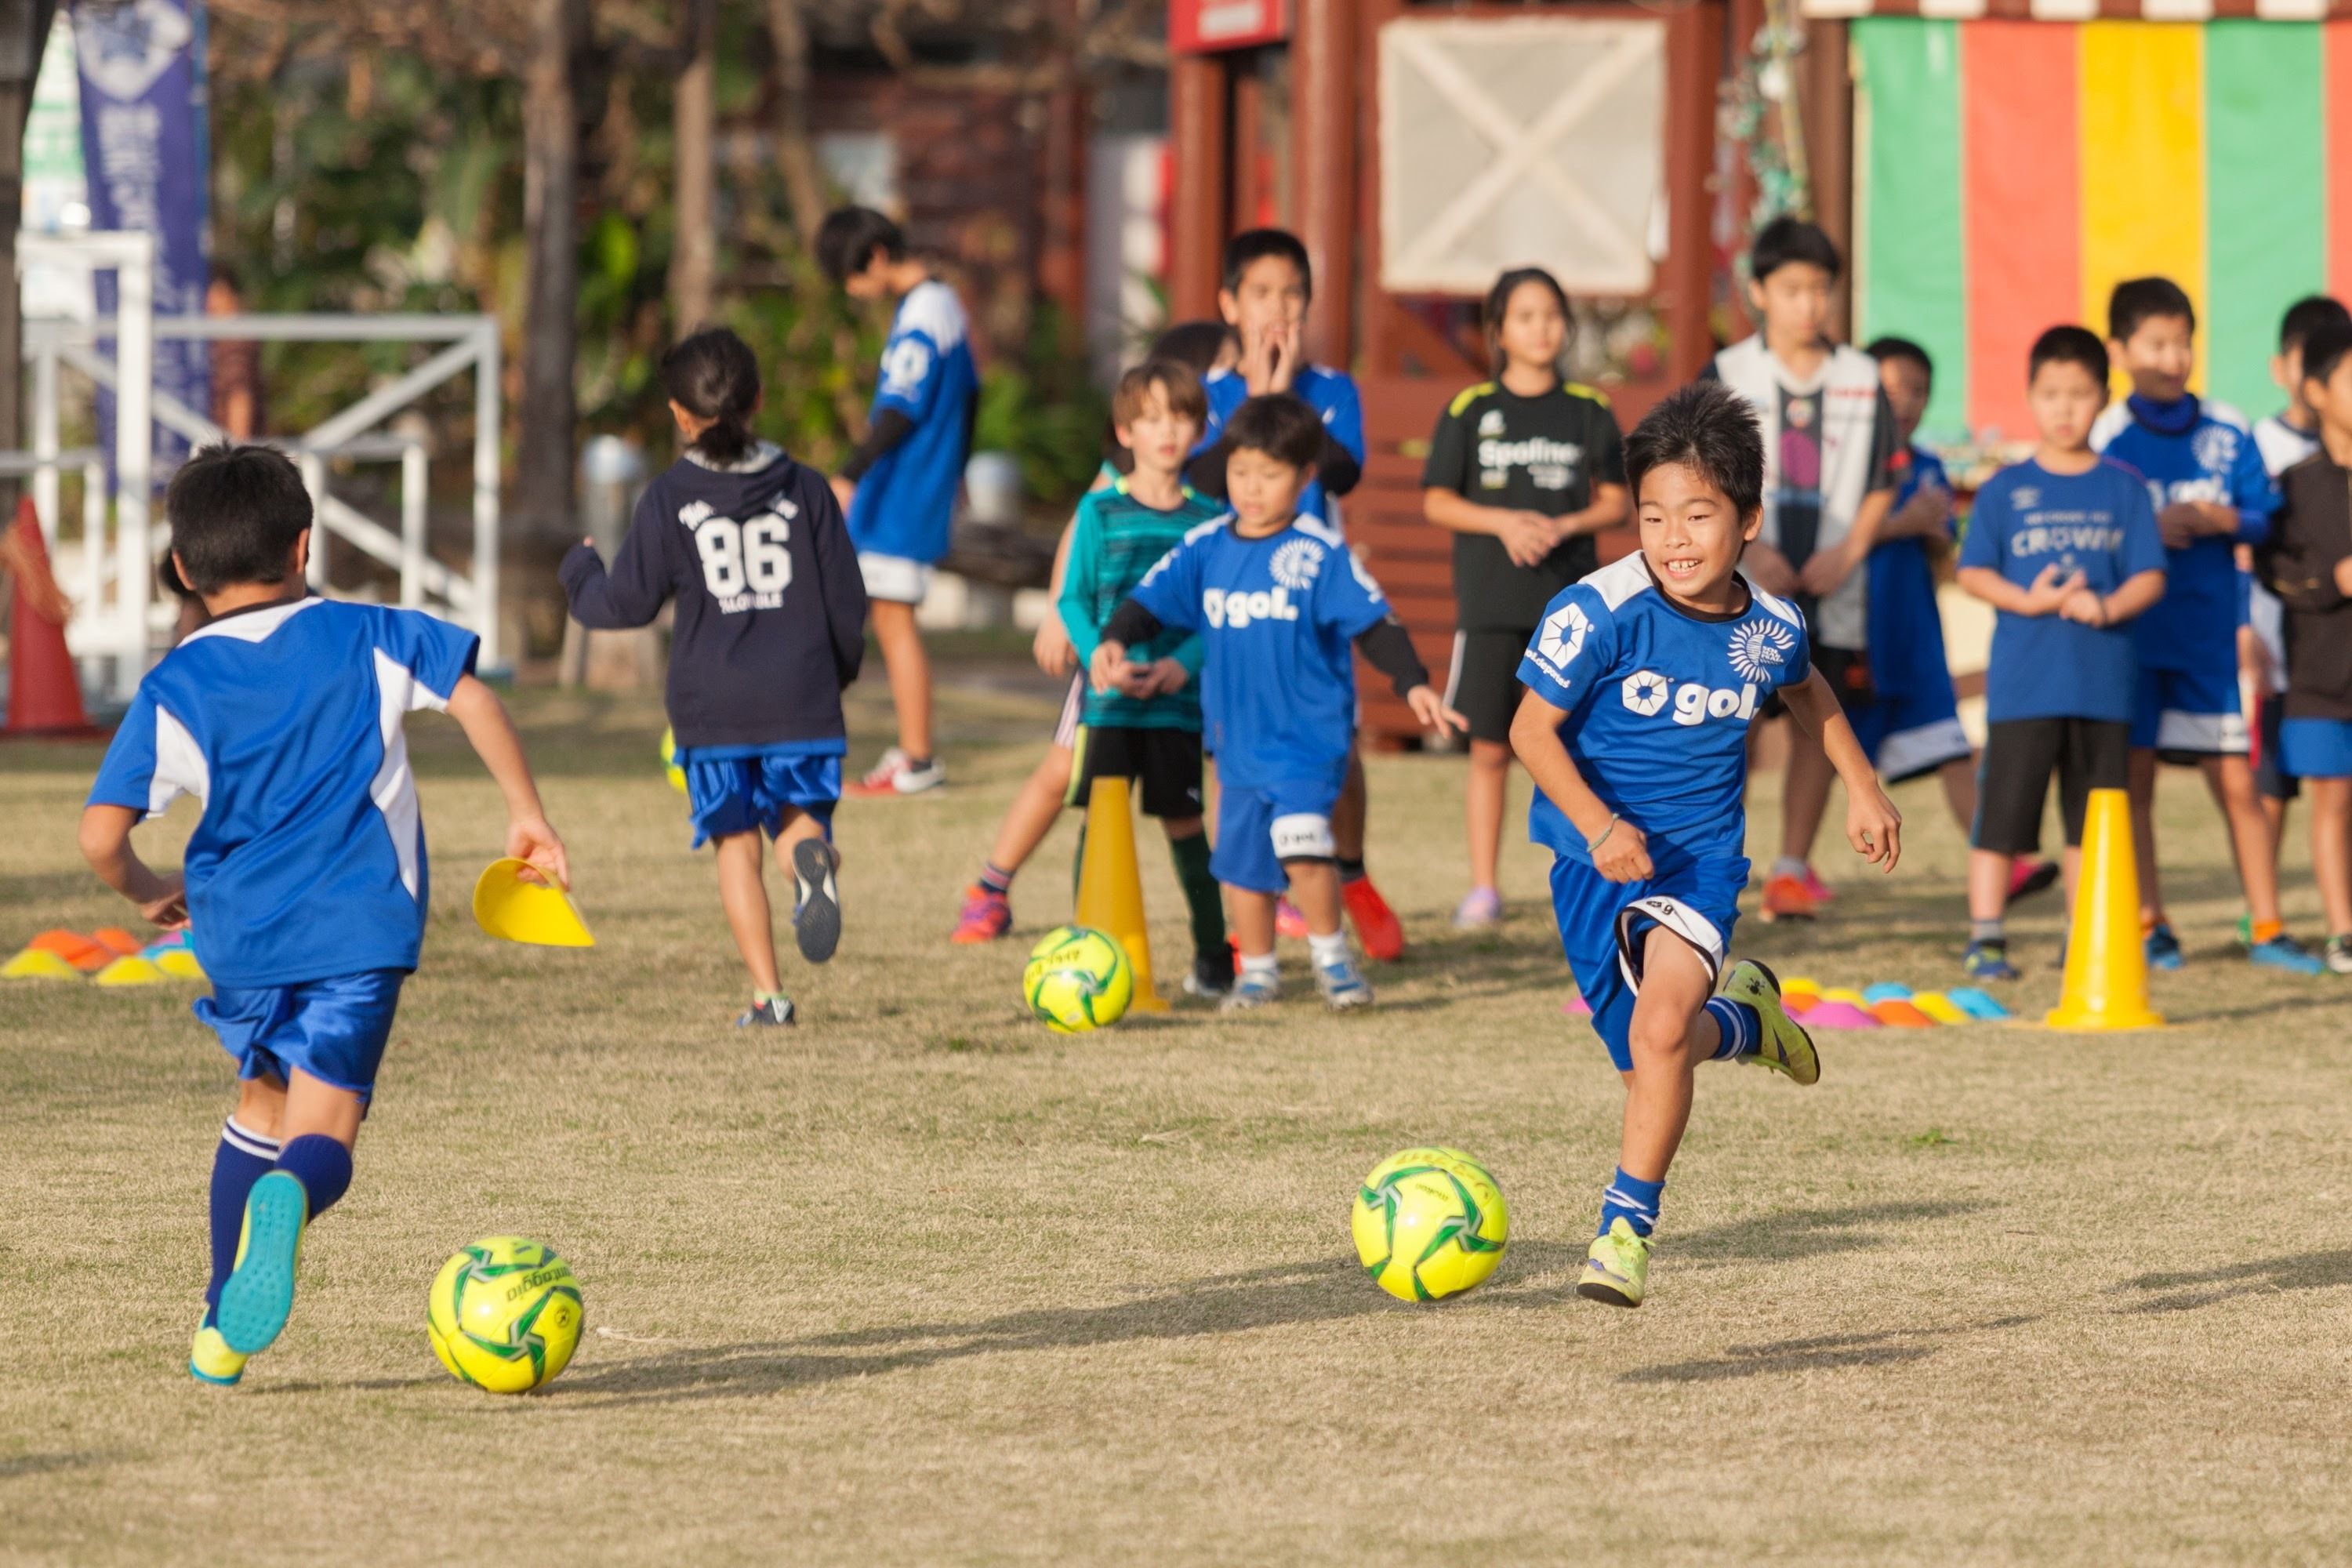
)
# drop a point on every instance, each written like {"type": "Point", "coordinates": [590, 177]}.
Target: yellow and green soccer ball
{"type": "Point", "coordinates": [1430, 1222]}
{"type": "Point", "coordinates": [675, 774]}
{"type": "Point", "coordinates": [504, 1315]}
{"type": "Point", "coordinates": [1079, 979]}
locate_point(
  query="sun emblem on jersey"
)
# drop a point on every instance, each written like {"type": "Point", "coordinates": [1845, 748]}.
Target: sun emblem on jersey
{"type": "Point", "coordinates": [1645, 692]}
{"type": "Point", "coordinates": [1757, 644]}
{"type": "Point", "coordinates": [2216, 448]}
{"type": "Point", "coordinates": [1296, 563]}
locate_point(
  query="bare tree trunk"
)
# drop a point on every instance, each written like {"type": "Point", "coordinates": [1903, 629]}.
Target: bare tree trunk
{"type": "Point", "coordinates": [544, 455]}
{"type": "Point", "coordinates": [694, 254]}
{"type": "Point", "coordinates": [24, 34]}
{"type": "Point", "coordinates": [795, 147]}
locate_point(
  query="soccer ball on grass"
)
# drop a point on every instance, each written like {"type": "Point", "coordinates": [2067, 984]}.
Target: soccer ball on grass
{"type": "Point", "coordinates": [1430, 1222]}
{"type": "Point", "coordinates": [1079, 979]}
{"type": "Point", "coordinates": [504, 1315]}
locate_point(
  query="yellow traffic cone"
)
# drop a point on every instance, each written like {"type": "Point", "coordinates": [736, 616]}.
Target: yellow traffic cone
{"type": "Point", "coordinates": [1110, 887]}
{"type": "Point", "coordinates": [2106, 966]}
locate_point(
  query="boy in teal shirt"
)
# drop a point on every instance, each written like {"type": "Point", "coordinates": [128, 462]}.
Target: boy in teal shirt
{"type": "Point", "coordinates": [1148, 728]}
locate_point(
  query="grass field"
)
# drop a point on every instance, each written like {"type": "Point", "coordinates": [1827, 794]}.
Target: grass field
{"type": "Point", "coordinates": [920, 1283]}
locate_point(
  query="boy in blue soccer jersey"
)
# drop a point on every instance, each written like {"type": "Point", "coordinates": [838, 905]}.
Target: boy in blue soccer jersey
{"type": "Point", "coordinates": [898, 489]}
{"type": "Point", "coordinates": [1276, 600]}
{"type": "Point", "coordinates": [1642, 682]}
{"type": "Point", "coordinates": [2065, 547]}
{"type": "Point", "coordinates": [304, 886]}
{"type": "Point", "coordinates": [770, 621]}
{"type": "Point", "coordinates": [1267, 286]}
{"type": "Point", "coordinates": [2212, 493]}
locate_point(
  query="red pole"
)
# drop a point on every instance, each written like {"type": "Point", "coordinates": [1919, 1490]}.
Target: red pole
{"type": "Point", "coordinates": [1693, 64]}
{"type": "Point", "coordinates": [1323, 162]}
{"type": "Point", "coordinates": [1196, 212]}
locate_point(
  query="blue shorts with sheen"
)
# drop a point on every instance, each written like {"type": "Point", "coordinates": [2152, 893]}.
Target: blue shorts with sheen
{"type": "Point", "coordinates": [334, 1030]}
{"type": "Point", "coordinates": [1258, 829]}
{"type": "Point", "coordinates": [734, 790]}
{"type": "Point", "coordinates": [1603, 926]}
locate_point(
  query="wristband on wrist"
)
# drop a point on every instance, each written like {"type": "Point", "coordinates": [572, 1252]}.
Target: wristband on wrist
{"type": "Point", "coordinates": [1593, 846]}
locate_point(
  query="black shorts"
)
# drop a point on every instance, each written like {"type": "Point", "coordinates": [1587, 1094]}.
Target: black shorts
{"type": "Point", "coordinates": [1483, 684]}
{"type": "Point", "coordinates": [1847, 669]}
{"type": "Point", "coordinates": [1165, 762]}
{"type": "Point", "coordinates": [2272, 780]}
{"type": "Point", "coordinates": [2014, 779]}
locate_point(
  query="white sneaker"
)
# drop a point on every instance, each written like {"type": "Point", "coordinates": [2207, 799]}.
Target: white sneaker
{"type": "Point", "coordinates": [884, 778]}
{"type": "Point", "coordinates": [910, 779]}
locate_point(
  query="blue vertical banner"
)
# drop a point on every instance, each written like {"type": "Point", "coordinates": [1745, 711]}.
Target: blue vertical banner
{"type": "Point", "coordinates": [145, 146]}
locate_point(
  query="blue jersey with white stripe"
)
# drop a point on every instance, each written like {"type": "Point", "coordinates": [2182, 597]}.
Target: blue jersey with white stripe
{"type": "Point", "coordinates": [1659, 700]}
{"type": "Point", "coordinates": [1276, 616]}
{"type": "Point", "coordinates": [284, 721]}
{"type": "Point", "coordinates": [1330, 393]}
{"type": "Point", "coordinates": [906, 501]}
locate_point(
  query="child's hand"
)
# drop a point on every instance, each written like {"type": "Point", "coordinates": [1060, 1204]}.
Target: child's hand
{"type": "Point", "coordinates": [1874, 827]}
{"type": "Point", "coordinates": [844, 491]}
{"type": "Point", "coordinates": [2344, 576]}
{"type": "Point", "coordinates": [167, 905]}
{"type": "Point", "coordinates": [2182, 523]}
{"type": "Point", "coordinates": [531, 838]}
{"type": "Point", "coordinates": [1826, 572]}
{"type": "Point", "coordinates": [1431, 709]}
{"type": "Point", "coordinates": [2048, 590]}
{"type": "Point", "coordinates": [1528, 537]}
{"type": "Point", "coordinates": [1768, 569]}
{"type": "Point", "coordinates": [1161, 677]}
{"type": "Point", "coordinates": [1107, 669]}
{"type": "Point", "coordinates": [1621, 852]}
{"type": "Point", "coordinates": [2085, 607]}
{"type": "Point", "coordinates": [1051, 647]}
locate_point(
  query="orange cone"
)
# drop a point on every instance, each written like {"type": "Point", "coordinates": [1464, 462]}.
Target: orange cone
{"type": "Point", "coordinates": [44, 694]}
{"type": "Point", "coordinates": [1110, 885]}
{"type": "Point", "coordinates": [2106, 966]}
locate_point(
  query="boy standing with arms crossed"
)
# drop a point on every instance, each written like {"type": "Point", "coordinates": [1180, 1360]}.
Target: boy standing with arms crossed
{"type": "Point", "coordinates": [898, 489]}
{"type": "Point", "coordinates": [1276, 600]}
{"type": "Point", "coordinates": [305, 884]}
{"type": "Point", "coordinates": [1642, 684]}
{"type": "Point", "coordinates": [2206, 479]}
{"type": "Point", "coordinates": [2065, 547]}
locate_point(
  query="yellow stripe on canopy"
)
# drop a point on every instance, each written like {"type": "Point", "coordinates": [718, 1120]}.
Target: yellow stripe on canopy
{"type": "Point", "coordinates": [2143, 164]}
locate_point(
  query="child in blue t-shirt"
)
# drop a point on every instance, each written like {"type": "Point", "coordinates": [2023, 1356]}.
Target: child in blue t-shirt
{"type": "Point", "coordinates": [2065, 546]}
{"type": "Point", "coordinates": [1643, 683]}
{"type": "Point", "coordinates": [2206, 479]}
{"type": "Point", "coordinates": [304, 886]}
{"type": "Point", "coordinates": [1277, 599]}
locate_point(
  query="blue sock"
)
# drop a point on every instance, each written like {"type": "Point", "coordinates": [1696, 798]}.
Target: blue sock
{"type": "Point", "coordinates": [1742, 1030]}
{"type": "Point", "coordinates": [323, 1167]}
{"type": "Point", "coordinates": [1634, 1199]}
{"type": "Point", "coordinates": [242, 1159]}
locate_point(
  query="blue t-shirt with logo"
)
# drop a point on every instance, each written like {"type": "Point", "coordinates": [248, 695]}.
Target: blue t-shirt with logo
{"type": "Point", "coordinates": [1659, 700]}
{"type": "Point", "coordinates": [905, 503]}
{"type": "Point", "coordinates": [1276, 617]}
{"type": "Point", "coordinates": [1330, 393]}
{"type": "Point", "coordinates": [2101, 523]}
{"type": "Point", "coordinates": [1907, 630]}
{"type": "Point", "coordinates": [284, 721]}
{"type": "Point", "coordinates": [2193, 450]}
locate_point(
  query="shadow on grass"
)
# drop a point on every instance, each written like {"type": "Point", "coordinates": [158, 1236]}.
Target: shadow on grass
{"type": "Point", "coordinates": [2299, 1271]}
{"type": "Point", "coordinates": [1313, 1290]}
{"type": "Point", "coordinates": [1828, 1352]}
{"type": "Point", "coordinates": [15, 1467]}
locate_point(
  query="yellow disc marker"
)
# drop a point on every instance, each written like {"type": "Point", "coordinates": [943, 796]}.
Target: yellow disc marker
{"type": "Point", "coordinates": [506, 906]}
{"type": "Point", "coordinates": [130, 971]}
{"type": "Point", "coordinates": [38, 963]}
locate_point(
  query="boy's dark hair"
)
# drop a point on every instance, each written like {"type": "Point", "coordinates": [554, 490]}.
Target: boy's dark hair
{"type": "Point", "coordinates": [236, 512]}
{"type": "Point", "coordinates": [1785, 240]}
{"type": "Point", "coordinates": [2068, 345]}
{"type": "Point", "coordinates": [2137, 300]}
{"type": "Point", "coordinates": [714, 375]}
{"type": "Point", "coordinates": [1254, 244]}
{"type": "Point", "coordinates": [1193, 344]}
{"type": "Point", "coordinates": [848, 239]}
{"type": "Point", "coordinates": [1709, 429]}
{"type": "Point", "coordinates": [1280, 425]}
{"type": "Point", "coordinates": [2307, 316]}
{"type": "Point", "coordinates": [1887, 348]}
{"type": "Point", "coordinates": [1499, 304]}
{"type": "Point", "coordinates": [1176, 382]}
{"type": "Point", "coordinates": [2325, 350]}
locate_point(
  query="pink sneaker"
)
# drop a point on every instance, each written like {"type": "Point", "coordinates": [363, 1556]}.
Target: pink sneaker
{"type": "Point", "coordinates": [2028, 875]}
{"type": "Point", "coordinates": [986, 915]}
{"type": "Point", "coordinates": [1823, 894]}
{"type": "Point", "coordinates": [1289, 921]}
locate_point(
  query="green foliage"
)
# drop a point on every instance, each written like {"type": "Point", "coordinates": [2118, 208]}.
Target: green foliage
{"type": "Point", "coordinates": [1046, 412]}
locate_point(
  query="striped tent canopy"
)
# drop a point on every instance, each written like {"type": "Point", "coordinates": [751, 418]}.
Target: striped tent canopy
{"type": "Point", "coordinates": [2008, 172]}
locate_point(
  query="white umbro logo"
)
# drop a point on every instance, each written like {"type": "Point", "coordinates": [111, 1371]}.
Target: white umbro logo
{"type": "Point", "coordinates": [1491, 422]}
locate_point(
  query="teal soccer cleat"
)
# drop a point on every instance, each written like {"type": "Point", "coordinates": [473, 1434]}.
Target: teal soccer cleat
{"type": "Point", "coordinates": [259, 1296]}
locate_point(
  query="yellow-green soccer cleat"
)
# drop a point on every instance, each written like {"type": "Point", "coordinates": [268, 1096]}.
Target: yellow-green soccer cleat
{"type": "Point", "coordinates": [211, 1361]}
{"type": "Point", "coordinates": [258, 1296]}
{"type": "Point", "coordinates": [1785, 1048]}
{"type": "Point", "coordinates": [1617, 1269]}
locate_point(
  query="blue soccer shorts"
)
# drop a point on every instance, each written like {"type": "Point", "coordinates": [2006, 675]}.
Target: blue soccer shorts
{"type": "Point", "coordinates": [333, 1030]}
{"type": "Point", "coordinates": [744, 789]}
{"type": "Point", "coordinates": [2186, 714]}
{"type": "Point", "coordinates": [2314, 748]}
{"type": "Point", "coordinates": [1258, 829]}
{"type": "Point", "coordinates": [1603, 926]}
{"type": "Point", "coordinates": [1909, 734]}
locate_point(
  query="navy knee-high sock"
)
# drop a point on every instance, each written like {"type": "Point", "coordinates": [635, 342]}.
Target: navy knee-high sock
{"type": "Point", "coordinates": [243, 1158]}
{"type": "Point", "coordinates": [322, 1165]}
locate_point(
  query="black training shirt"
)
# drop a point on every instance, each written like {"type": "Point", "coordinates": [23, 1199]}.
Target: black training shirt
{"type": "Point", "coordinates": [1494, 447]}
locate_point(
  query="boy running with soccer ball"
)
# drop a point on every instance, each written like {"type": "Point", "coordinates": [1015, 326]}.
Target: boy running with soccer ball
{"type": "Point", "coordinates": [305, 881]}
{"type": "Point", "coordinates": [1643, 681]}
{"type": "Point", "coordinates": [1276, 600]}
